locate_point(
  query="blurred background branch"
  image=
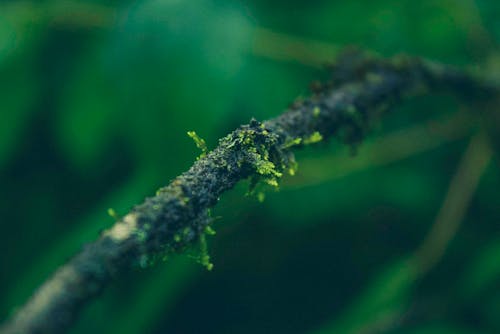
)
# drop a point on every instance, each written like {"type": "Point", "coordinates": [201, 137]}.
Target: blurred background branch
{"type": "Point", "coordinates": [462, 187]}
{"type": "Point", "coordinates": [384, 306]}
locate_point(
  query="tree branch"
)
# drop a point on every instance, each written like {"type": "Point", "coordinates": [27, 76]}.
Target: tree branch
{"type": "Point", "coordinates": [362, 88]}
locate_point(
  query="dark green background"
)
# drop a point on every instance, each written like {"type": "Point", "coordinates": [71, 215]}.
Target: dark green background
{"type": "Point", "coordinates": [95, 101]}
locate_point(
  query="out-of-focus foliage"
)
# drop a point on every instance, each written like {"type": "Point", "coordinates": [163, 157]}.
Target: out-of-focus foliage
{"type": "Point", "coordinates": [95, 101]}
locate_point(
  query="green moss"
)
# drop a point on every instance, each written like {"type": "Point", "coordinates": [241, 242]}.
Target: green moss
{"type": "Point", "coordinates": [314, 138]}
{"type": "Point", "coordinates": [204, 257]}
{"type": "Point", "coordinates": [293, 167]}
{"type": "Point", "coordinates": [187, 231]}
{"type": "Point", "coordinates": [292, 142]}
{"type": "Point", "coordinates": [272, 181]}
{"type": "Point", "coordinates": [200, 143]}
{"type": "Point", "coordinates": [253, 151]}
{"type": "Point", "coordinates": [209, 231]}
{"type": "Point", "coordinates": [112, 213]}
{"type": "Point", "coordinates": [266, 168]}
{"type": "Point", "coordinates": [262, 153]}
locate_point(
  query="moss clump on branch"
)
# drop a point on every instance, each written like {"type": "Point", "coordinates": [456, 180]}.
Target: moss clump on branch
{"type": "Point", "coordinates": [177, 216]}
{"type": "Point", "coordinates": [362, 87]}
{"type": "Point", "coordinates": [200, 143]}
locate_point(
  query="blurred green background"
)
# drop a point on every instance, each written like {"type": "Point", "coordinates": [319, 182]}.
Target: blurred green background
{"type": "Point", "coordinates": [95, 101]}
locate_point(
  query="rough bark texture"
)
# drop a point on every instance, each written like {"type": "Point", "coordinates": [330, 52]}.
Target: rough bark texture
{"type": "Point", "coordinates": [361, 88]}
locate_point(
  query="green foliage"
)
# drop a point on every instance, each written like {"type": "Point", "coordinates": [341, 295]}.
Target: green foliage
{"type": "Point", "coordinates": [96, 98]}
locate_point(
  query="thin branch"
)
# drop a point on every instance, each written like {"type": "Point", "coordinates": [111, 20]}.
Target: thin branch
{"type": "Point", "coordinates": [279, 46]}
{"type": "Point", "coordinates": [395, 146]}
{"type": "Point", "coordinates": [462, 187]}
{"type": "Point", "coordinates": [362, 88]}
{"type": "Point", "coordinates": [380, 310]}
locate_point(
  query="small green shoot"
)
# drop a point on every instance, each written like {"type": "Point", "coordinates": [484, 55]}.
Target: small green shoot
{"type": "Point", "coordinates": [112, 213]}
{"type": "Point", "coordinates": [210, 231]}
{"type": "Point", "coordinates": [292, 142]}
{"type": "Point", "coordinates": [200, 143]}
{"type": "Point", "coordinates": [314, 138]}
{"type": "Point", "coordinates": [204, 258]}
